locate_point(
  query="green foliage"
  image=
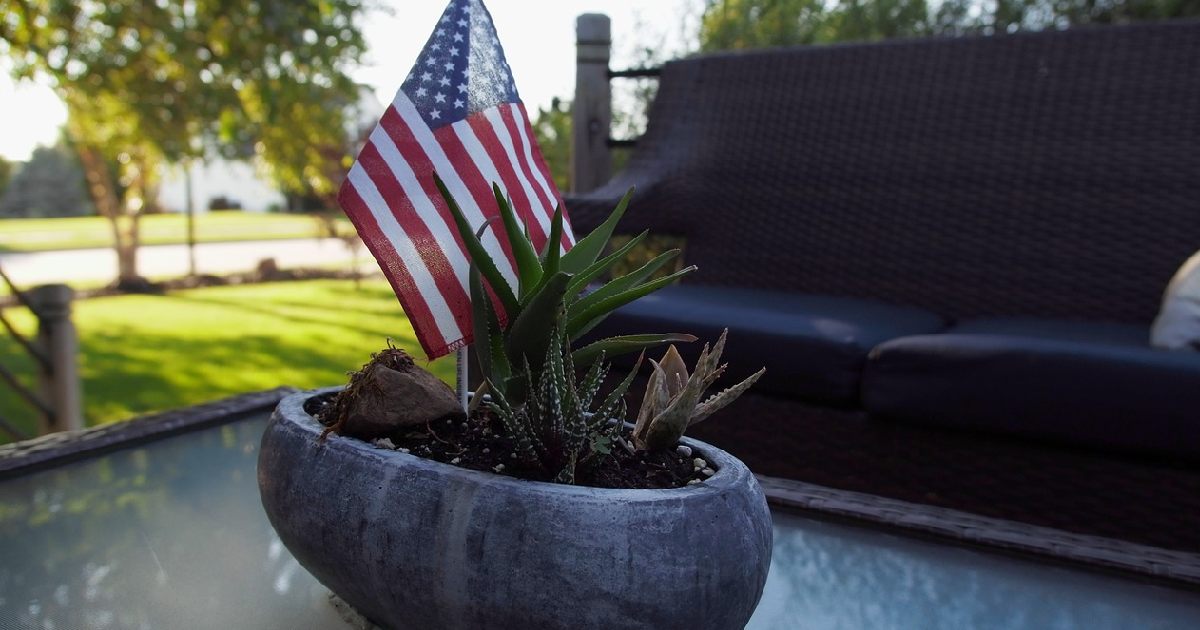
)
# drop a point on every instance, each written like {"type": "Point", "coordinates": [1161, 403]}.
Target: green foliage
{"type": "Point", "coordinates": [49, 185]}
{"type": "Point", "coordinates": [742, 24]}
{"type": "Point", "coordinates": [145, 353]}
{"type": "Point", "coordinates": [550, 290]}
{"type": "Point", "coordinates": [556, 430]}
{"type": "Point", "coordinates": [6, 172]}
{"type": "Point", "coordinates": [672, 400]}
{"type": "Point", "coordinates": [552, 130]}
{"type": "Point", "coordinates": [152, 82]}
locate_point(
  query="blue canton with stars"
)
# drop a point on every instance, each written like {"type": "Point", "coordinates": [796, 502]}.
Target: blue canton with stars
{"type": "Point", "coordinates": [462, 69]}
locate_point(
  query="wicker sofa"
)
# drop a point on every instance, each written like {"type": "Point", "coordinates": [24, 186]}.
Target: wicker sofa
{"type": "Point", "coordinates": [947, 253]}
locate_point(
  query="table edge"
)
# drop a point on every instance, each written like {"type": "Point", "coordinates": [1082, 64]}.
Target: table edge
{"type": "Point", "coordinates": [56, 449]}
{"type": "Point", "coordinates": [1168, 567]}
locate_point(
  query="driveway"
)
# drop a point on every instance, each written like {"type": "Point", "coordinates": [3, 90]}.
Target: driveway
{"type": "Point", "coordinates": [28, 269]}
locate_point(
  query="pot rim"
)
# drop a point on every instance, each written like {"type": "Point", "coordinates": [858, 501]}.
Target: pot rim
{"type": "Point", "coordinates": [730, 473]}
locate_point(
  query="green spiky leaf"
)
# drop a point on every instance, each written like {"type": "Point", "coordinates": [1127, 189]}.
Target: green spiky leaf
{"type": "Point", "coordinates": [529, 268]}
{"type": "Point", "coordinates": [583, 317]}
{"type": "Point", "coordinates": [529, 334]}
{"type": "Point", "coordinates": [489, 337]}
{"type": "Point", "coordinates": [599, 267]}
{"type": "Point", "coordinates": [613, 346]}
{"type": "Point", "coordinates": [623, 283]}
{"type": "Point", "coordinates": [479, 255]}
{"type": "Point", "coordinates": [552, 252]}
{"type": "Point", "coordinates": [588, 249]}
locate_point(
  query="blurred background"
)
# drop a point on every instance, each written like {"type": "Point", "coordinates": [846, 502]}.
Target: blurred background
{"type": "Point", "coordinates": [176, 163]}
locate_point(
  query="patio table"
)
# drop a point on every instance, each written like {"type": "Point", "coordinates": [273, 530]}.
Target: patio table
{"type": "Point", "coordinates": [141, 529]}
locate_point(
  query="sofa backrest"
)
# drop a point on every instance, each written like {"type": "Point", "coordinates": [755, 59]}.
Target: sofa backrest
{"type": "Point", "coordinates": [1048, 174]}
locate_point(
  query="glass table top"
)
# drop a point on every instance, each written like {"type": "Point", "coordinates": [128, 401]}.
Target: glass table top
{"type": "Point", "coordinates": [172, 535]}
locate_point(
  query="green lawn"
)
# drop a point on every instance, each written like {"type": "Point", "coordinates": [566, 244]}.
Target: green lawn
{"type": "Point", "coordinates": [148, 353]}
{"type": "Point", "coordinates": [26, 235]}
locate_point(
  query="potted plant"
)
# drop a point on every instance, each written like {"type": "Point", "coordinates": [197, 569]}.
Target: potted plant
{"type": "Point", "coordinates": [439, 519]}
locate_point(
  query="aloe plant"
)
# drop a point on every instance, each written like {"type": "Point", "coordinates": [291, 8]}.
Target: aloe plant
{"type": "Point", "coordinates": [672, 400]}
{"type": "Point", "coordinates": [550, 287]}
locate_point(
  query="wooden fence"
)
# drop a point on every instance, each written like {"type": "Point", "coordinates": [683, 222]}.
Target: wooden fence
{"type": "Point", "coordinates": [591, 112]}
{"type": "Point", "coordinates": [59, 404]}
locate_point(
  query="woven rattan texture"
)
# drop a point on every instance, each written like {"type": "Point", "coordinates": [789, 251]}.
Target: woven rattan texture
{"type": "Point", "coordinates": [1098, 494]}
{"type": "Point", "coordinates": [1050, 174]}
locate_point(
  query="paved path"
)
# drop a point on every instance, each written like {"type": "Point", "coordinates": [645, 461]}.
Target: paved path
{"type": "Point", "coordinates": [28, 269]}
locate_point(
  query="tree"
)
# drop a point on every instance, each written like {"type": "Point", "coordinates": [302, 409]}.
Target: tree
{"type": "Point", "coordinates": [6, 172]}
{"type": "Point", "coordinates": [151, 82]}
{"type": "Point", "coordinates": [739, 24]}
{"type": "Point", "coordinates": [50, 184]}
{"type": "Point", "coordinates": [552, 131]}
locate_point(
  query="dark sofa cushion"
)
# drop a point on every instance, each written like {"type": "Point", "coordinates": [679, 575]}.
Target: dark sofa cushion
{"type": "Point", "coordinates": [1094, 385]}
{"type": "Point", "coordinates": [813, 347]}
{"type": "Point", "coordinates": [1056, 330]}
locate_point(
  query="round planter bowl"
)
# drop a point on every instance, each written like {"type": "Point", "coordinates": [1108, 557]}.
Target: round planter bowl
{"type": "Point", "coordinates": [413, 543]}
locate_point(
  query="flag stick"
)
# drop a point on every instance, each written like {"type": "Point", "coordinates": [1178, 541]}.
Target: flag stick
{"type": "Point", "coordinates": [461, 375]}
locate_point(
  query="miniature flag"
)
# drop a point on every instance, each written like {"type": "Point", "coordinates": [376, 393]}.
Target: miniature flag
{"type": "Point", "coordinates": [458, 115]}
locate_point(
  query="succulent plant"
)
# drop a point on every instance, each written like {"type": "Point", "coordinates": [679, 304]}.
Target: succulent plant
{"type": "Point", "coordinates": [556, 430]}
{"type": "Point", "coordinates": [549, 295]}
{"type": "Point", "coordinates": [672, 400]}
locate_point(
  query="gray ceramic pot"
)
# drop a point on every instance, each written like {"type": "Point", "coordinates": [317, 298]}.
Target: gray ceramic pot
{"type": "Point", "coordinates": [413, 543]}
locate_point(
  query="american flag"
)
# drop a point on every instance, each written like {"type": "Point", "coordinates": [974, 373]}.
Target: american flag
{"type": "Point", "coordinates": [457, 114]}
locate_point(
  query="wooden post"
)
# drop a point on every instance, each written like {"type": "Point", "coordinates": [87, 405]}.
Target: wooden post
{"type": "Point", "coordinates": [56, 334]}
{"type": "Point", "coordinates": [591, 115]}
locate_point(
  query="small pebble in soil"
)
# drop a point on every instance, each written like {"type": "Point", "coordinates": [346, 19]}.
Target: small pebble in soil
{"type": "Point", "coordinates": [384, 443]}
{"type": "Point", "coordinates": [708, 472]}
{"type": "Point", "coordinates": [699, 463]}
{"type": "Point", "coordinates": [684, 451]}
{"type": "Point", "coordinates": [512, 455]}
{"type": "Point", "coordinates": [456, 460]}
{"type": "Point", "coordinates": [402, 450]}
{"type": "Point", "coordinates": [486, 451]}
{"type": "Point", "coordinates": [498, 468]}
{"type": "Point", "coordinates": [694, 482]}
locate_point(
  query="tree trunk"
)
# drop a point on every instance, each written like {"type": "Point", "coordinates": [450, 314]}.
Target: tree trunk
{"type": "Point", "coordinates": [123, 223]}
{"type": "Point", "coordinates": [127, 249]}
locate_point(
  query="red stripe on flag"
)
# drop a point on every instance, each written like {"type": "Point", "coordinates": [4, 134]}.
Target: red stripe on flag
{"type": "Point", "coordinates": [491, 144]}
{"type": "Point", "coordinates": [519, 148]}
{"type": "Point", "coordinates": [540, 164]}
{"type": "Point", "coordinates": [428, 247]}
{"type": "Point", "coordinates": [393, 269]}
{"type": "Point", "coordinates": [481, 191]}
{"type": "Point", "coordinates": [410, 149]}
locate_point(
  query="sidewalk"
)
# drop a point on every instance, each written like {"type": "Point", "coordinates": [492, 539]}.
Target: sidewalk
{"type": "Point", "coordinates": [28, 269]}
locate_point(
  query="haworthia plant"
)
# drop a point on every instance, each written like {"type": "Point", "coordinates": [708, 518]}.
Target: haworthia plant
{"type": "Point", "coordinates": [556, 430]}
{"type": "Point", "coordinates": [672, 400]}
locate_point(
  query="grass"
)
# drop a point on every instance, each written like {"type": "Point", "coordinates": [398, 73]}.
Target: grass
{"type": "Point", "coordinates": [140, 354]}
{"type": "Point", "coordinates": [29, 235]}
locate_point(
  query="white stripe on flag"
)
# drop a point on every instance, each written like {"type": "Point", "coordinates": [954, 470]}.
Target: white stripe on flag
{"type": "Point", "coordinates": [421, 203]}
{"type": "Point", "coordinates": [458, 189]}
{"type": "Point", "coordinates": [550, 191]}
{"type": "Point", "coordinates": [478, 153]}
{"type": "Point", "coordinates": [406, 250]}
{"type": "Point", "coordinates": [543, 215]}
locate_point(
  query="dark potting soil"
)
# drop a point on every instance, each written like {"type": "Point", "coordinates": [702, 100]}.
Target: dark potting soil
{"type": "Point", "coordinates": [478, 443]}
